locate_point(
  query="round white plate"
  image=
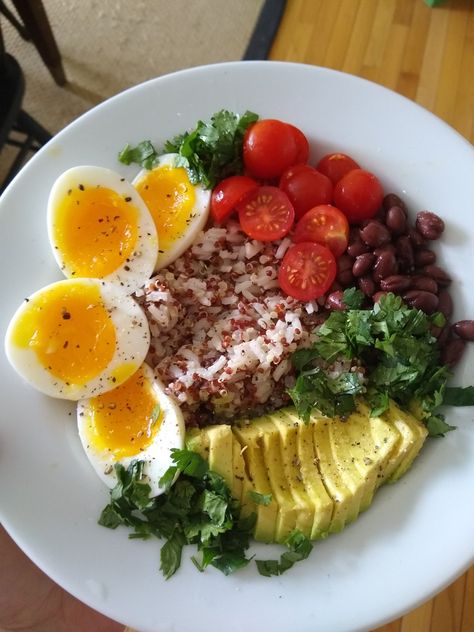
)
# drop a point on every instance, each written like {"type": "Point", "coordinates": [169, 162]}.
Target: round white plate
{"type": "Point", "coordinates": [418, 535]}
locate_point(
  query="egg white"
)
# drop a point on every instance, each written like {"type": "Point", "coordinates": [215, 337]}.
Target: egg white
{"type": "Point", "coordinates": [156, 457]}
{"type": "Point", "coordinates": [133, 271]}
{"type": "Point", "coordinates": [132, 343]}
{"type": "Point", "coordinates": [199, 214]}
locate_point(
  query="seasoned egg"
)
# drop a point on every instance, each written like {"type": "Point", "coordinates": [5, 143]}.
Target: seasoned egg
{"type": "Point", "coordinates": [77, 338]}
{"type": "Point", "coordinates": [178, 207]}
{"type": "Point", "coordinates": [136, 421]}
{"type": "Point", "coordinates": [99, 227]}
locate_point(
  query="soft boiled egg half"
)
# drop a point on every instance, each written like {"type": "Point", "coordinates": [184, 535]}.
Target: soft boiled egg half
{"type": "Point", "coordinates": [179, 208]}
{"type": "Point", "coordinates": [136, 421]}
{"type": "Point", "coordinates": [99, 227]}
{"type": "Point", "coordinates": [77, 338]}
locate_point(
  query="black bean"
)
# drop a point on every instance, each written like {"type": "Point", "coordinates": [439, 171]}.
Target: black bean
{"type": "Point", "coordinates": [405, 254]}
{"type": "Point", "coordinates": [419, 299]}
{"type": "Point", "coordinates": [366, 285]}
{"type": "Point", "coordinates": [385, 266]}
{"type": "Point", "coordinates": [375, 234]}
{"type": "Point", "coordinates": [441, 277]}
{"type": "Point", "coordinates": [424, 257]}
{"type": "Point", "coordinates": [453, 351]}
{"type": "Point", "coordinates": [445, 303]}
{"type": "Point", "coordinates": [396, 283]}
{"type": "Point", "coordinates": [424, 283]}
{"type": "Point", "coordinates": [391, 199]}
{"type": "Point", "coordinates": [362, 264]}
{"type": "Point", "coordinates": [334, 301]}
{"type": "Point", "coordinates": [429, 225]}
{"type": "Point", "coordinates": [396, 220]}
{"type": "Point", "coordinates": [464, 329]}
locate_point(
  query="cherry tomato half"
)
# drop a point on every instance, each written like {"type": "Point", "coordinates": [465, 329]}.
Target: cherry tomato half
{"type": "Point", "coordinates": [359, 195]}
{"type": "Point", "coordinates": [335, 166]}
{"type": "Point", "coordinates": [307, 271]}
{"type": "Point", "coordinates": [306, 188]}
{"type": "Point", "coordinates": [228, 193]}
{"type": "Point", "coordinates": [270, 147]}
{"type": "Point", "coordinates": [266, 214]}
{"type": "Point", "coordinates": [326, 225]}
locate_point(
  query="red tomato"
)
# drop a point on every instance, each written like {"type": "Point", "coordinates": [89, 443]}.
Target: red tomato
{"type": "Point", "coordinates": [335, 166]}
{"type": "Point", "coordinates": [301, 144]}
{"type": "Point", "coordinates": [289, 173]}
{"type": "Point", "coordinates": [226, 195]}
{"type": "Point", "coordinates": [306, 188]}
{"type": "Point", "coordinates": [359, 195]}
{"type": "Point", "coordinates": [307, 271]}
{"type": "Point", "coordinates": [266, 214]}
{"type": "Point", "coordinates": [326, 225]}
{"type": "Point", "coordinates": [270, 147]}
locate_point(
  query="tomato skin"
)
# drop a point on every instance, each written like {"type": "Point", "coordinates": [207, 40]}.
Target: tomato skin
{"type": "Point", "coordinates": [266, 214]}
{"type": "Point", "coordinates": [325, 225]}
{"type": "Point", "coordinates": [227, 194]}
{"type": "Point", "coordinates": [270, 147]}
{"type": "Point", "coordinates": [359, 195]}
{"type": "Point", "coordinates": [306, 188]}
{"type": "Point", "coordinates": [307, 271]}
{"type": "Point", "coordinates": [302, 145]}
{"type": "Point", "coordinates": [335, 166]}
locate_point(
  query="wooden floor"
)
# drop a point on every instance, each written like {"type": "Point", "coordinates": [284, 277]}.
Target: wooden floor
{"type": "Point", "coordinates": [427, 55]}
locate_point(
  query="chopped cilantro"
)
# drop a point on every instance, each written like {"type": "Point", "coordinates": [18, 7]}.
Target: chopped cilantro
{"type": "Point", "coordinates": [260, 499]}
{"type": "Point", "coordinates": [210, 152]}
{"type": "Point", "coordinates": [197, 509]}
{"type": "Point", "coordinates": [456, 396]}
{"type": "Point", "coordinates": [399, 358]}
{"type": "Point", "coordinates": [299, 549]}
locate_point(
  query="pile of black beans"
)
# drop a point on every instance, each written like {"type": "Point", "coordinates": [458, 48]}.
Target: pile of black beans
{"type": "Point", "coordinates": [388, 253]}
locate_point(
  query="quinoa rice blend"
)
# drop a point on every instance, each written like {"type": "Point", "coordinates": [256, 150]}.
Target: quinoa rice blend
{"type": "Point", "coordinates": [222, 332]}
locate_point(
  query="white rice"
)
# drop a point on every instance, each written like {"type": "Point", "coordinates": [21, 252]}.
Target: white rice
{"type": "Point", "coordinates": [222, 331]}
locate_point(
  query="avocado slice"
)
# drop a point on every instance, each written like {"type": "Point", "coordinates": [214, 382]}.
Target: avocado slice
{"type": "Point", "coordinates": [252, 453]}
{"type": "Point", "coordinates": [197, 440]}
{"type": "Point", "coordinates": [413, 434]}
{"type": "Point", "coordinates": [371, 441]}
{"type": "Point", "coordinates": [220, 452]}
{"type": "Point", "coordinates": [309, 494]}
{"type": "Point", "coordinates": [288, 512]}
{"type": "Point", "coordinates": [346, 506]}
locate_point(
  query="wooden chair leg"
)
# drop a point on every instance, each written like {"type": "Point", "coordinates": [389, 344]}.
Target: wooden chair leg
{"type": "Point", "coordinates": [36, 21]}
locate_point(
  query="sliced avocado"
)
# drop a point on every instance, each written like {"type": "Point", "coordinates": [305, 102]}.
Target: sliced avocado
{"type": "Point", "coordinates": [289, 429]}
{"type": "Point", "coordinates": [238, 467]}
{"type": "Point", "coordinates": [288, 510]}
{"type": "Point", "coordinates": [221, 452]}
{"type": "Point", "coordinates": [413, 435]}
{"type": "Point", "coordinates": [198, 441]}
{"type": "Point", "coordinates": [257, 473]}
{"type": "Point", "coordinates": [371, 441]}
{"type": "Point", "coordinates": [346, 505]}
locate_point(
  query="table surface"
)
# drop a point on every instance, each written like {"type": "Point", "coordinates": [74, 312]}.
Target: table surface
{"type": "Point", "coordinates": [426, 54]}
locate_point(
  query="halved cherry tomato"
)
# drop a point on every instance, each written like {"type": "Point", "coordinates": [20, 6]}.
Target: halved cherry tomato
{"type": "Point", "coordinates": [359, 195]}
{"type": "Point", "coordinates": [326, 225]}
{"type": "Point", "coordinates": [266, 214]}
{"type": "Point", "coordinates": [307, 271]}
{"type": "Point", "coordinates": [306, 188]}
{"type": "Point", "coordinates": [270, 147]}
{"type": "Point", "coordinates": [302, 144]}
{"type": "Point", "coordinates": [335, 166]}
{"type": "Point", "coordinates": [228, 193]}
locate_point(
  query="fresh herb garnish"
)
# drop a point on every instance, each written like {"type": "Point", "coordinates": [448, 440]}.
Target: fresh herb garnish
{"type": "Point", "coordinates": [457, 396]}
{"type": "Point", "coordinates": [260, 499]}
{"type": "Point", "coordinates": [398, 354]}
{"type": "Point", "coordinates": [197, 509]}
{"type": "Point", "coordinates": [210, 152]}
{"type": "Point", "coordinates": [299, 549]}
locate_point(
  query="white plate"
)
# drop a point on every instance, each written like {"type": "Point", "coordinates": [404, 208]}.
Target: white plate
{"type": "Point", "coordinates": [418, 535]}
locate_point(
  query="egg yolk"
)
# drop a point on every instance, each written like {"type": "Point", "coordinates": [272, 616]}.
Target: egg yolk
{"type": "Point", "coordinates": [70, 331]}
{"type": "Point", "coordinates": [125, 421]}
{"type": "Point", "coordinates": [170, 197]}
{"type": "Point", "coordinates": [95, 231]}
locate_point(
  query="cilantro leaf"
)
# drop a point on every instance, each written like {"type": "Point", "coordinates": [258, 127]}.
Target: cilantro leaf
{"type": "Point", "coordinates": [299, 549]}
{"type": "Point", "coordinates": [437, 426]}
{"type": "Point", "coordinates": [170, 554]}
{"type": "Point", "coordinates": [353, 298]}
{"type": "Point", "coordinates": [143, 154]}
{"type": "Point", "coordinates": [458, 396]}
{"type": "Point", "coordinates": [260, 499]}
